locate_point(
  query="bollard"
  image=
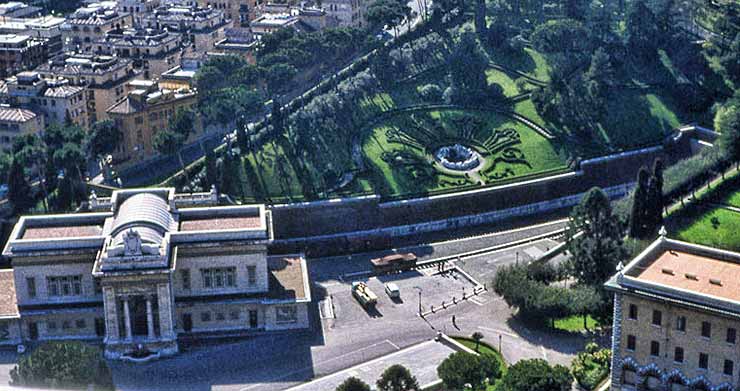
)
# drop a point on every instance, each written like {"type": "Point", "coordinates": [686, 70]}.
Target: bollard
{"type": "Point", "coordinates": [444, 305]}
{"type": "Point", "coordinates": [432, 309]}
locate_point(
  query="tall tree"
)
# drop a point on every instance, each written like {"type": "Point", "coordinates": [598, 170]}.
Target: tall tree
{"type": "Point", "coordinates": [103, 138]}
{"type": "Point", "coordinates": [642, 31]}
{"type": "Point", "coordinates": [727, 123]}
{"type": "Point", "coordinates": [655, 201]}
{"type": "Point", "coordinates": [353, 384]}
{"type": "Point", "coordinates": [19, 190]}
{"type": "Point", "coordinates": [387, 13]}
{"type": "Point", "coordinates": [638, 224]}
{"type": "Point", "coordinates": [730, 61]}
{"type": "Point", "coordinates": [397, 378]}
{"type": "Point", "coordinates": [596, 252]}
{"type": "Point", "coordinates": [467, 66]}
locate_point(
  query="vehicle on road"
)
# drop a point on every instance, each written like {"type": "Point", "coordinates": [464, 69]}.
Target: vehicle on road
{"type": "Point", "coordinates": [392, 290]}
{"type": "Point", "coordinates": [363, 294]}
{"type": "Point", "coordinates": [394, 263]}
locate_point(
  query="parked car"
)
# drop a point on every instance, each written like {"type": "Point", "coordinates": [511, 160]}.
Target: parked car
{"type": "Point", "coordinates": [392, 290]}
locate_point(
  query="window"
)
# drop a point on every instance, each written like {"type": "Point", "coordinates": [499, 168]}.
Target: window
{"type": "Point", "coordinates": [234, 315]}
{"type": "Point", "coordinates": [633, 312]}
{"type": "Point", "coordinates": [631, 342]}
{"type": "Point", "coordinates": [729, 367]}
{"type": "Point", "coordinates": [286, 314]}
{"type": "Point", "coordinates": [64, 286]}
{"type": "Point", "coordinates": [220, 316]}
{"type": "Point", "coordinates": [655, 348]}
{"type": "Point", "coordinates": [703, 360]}
{"type": "Point", "coordinates": [96, 285]}
{"type": "Point", "coordinates": [80, 323]}
{"type": "Point", "coordinates": [31, 285]}
{"type": "Point", "coordinates": [251, 274]}
{"type": "Point", "coordinates": [681, 323]}
{"type": "Point", "coordinates": [678, 355]}
{"type": "Point", "coordinates": [66, 325]}
{"type": "Point", "coordinates": [219, 277]}
{"type": "Point", "coordinates": [657, 318]}
{"type": "Point", "coordinates": [706, 329]}
{"type": "Point", "coordinates": [731, 335]}
{"type": "Point", "coordinates": [51, 325]}
{"type": "Point", "coordinates": [205, 316]}
{"type": "Point", "coordinates": [185, 278]}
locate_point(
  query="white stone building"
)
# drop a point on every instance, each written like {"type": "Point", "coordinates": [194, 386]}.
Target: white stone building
{"type": "Point", "coordinates": [148, 266]}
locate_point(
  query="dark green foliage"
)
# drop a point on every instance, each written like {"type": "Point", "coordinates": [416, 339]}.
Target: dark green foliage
{"type": "Point", "coordinates": [536, 375]}
{"type": "Point", "coordinates": [727, 123]}
{"type": "Point", "coordinates": [397, 378]}
{"type": "Point", "coordinates": [103, 138]}
{"type": "Point", "coordinates": [463, 368]}
{"type": "Point", "coordinates": [730, 61]}
{"type": "Point", "coordinates": [467, 67]}
{"type": "Point", "coordinates": [638, 223]}
{"type": "Point", "coordinates": [279, 76]}
{"type": "Point", "coordinates": [353, 384]}
{"type": "Point", "coordinates": [253, 179]}
{"type": "Point", "coordinates": [595, 253]}
{"type": "Point", "coordinates": [6, 160]}
{"type": "Point", "coordinates": [480, 18]}
{"type": "Point", "coordinates": [388, 13]}
{"type": "Point", "coordinates": [642, 31]}
{"type": "Point", "coordinates": [564, 36]}
{"type": "Point", "coordinates": [167, 142]}
{"type": "Point", "coordinates": [63, 365]}
{"type": "Point", "coordinates": [29, 150]}
{"type": "Point", "coordinates": [70, 158]}
{"type": "Point", "coordinates": [211, 169]}
{"type": "Point", "coordinates": [19, 190]}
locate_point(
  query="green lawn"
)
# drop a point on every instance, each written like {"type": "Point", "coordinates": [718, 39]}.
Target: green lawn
{"type": "Point", "coordinates": [575, 323]}
{"type": "Point", "coordinates": [715, 227]}
{"type": "Point", "coordinates": [529, 62]}
{"type": "Point", "coordinates": [504, 80]}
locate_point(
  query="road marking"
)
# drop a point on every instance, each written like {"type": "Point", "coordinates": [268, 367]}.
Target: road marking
{"type": "Point", "coordinates": [477, 301]}
{"type": "Point", "coordinates": [392, 344]}
{"type": "Point", "coordinates": [304, 369]}
{"type": "Point", "coordinates": [500, 332]}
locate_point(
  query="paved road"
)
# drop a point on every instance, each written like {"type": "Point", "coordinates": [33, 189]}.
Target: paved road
{"type": "Point", "coordinates": [422, 360]}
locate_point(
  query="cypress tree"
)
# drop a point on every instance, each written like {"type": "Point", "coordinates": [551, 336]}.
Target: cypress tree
{"type": "Point", "coordinates": [654, 205]}
{"type": "Point", "coordinates": [19, 190]}
{"type": "Point", "coordinates": [211, 169]}
{"type": "Point", "coordinates": [639, 199]}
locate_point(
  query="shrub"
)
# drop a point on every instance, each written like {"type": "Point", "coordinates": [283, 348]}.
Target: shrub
{"type": "Point", "coordinates": [431, 93]}
{"type": "Point", "coordinates": [397, 378]}
{"type": "Point", "coordinates": [63, 365]}
{"type": "Point", "coordinates": [536, 375]}
{"type": "Point", "coordinates": [353, 384]}
{"type": "Point", "coordinates": [591, 366]}
{"type": "Point", "coordinates": [462, 368]}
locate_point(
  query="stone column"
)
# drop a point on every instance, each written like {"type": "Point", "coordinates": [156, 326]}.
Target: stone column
{"type": "Point", "coordinates": [126, 317]}
{"type": "Point", "coordinates": [616, 375]}
{"type": "Point", "coordinates": [166, 308]}
{"type": "Point", "coordinates": [110, 310]}
{"type": "Point", "coordinates": [149, 318]}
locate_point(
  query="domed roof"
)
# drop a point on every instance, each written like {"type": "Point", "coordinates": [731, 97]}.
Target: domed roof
{"type": "Point", "coordinates": [147, 214]}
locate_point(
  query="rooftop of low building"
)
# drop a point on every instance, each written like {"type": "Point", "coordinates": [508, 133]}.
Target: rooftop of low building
{"type": "Point", "coordinates": [8, 299]}
{"type": "Point", "coordinates": [15, 114]}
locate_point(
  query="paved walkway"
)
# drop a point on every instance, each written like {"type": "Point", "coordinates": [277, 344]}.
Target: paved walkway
{"type": "Point", "coordinates": [422, 360]}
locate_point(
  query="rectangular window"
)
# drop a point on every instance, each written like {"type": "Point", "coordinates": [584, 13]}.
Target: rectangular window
{"type": "Point", "coordinates": [97, 287]}
{"type": "Point", "coordinates": [51, 325]}
{"type": "Point", "coordinates": [66, 325]}
{"type": "Point", "coordinates": [251, 274]}
{"type": "Point", "coordinates": [205, 316]}
{"type": "Point", "coordinates": [655, 348]}
{"type": "Point", "coordinates": [657, 318]}
{"type": "Point", "coordinates": [185, 277]}
{"type": "Point", "coordinates": [703, 360]}
{"type": "Point", "coordinates": [633, 312]}
{"type": "Point", "coordinates": [220, 316]}
{"type": "Point", "coordinates": [706, 329]}
{"type": "Point", "coordinates": [234, 315]}
{"type": "Point", "coordinates": [631, 342]}
{"type": "Point", "coordinates": [729, 367]}
{"type": "Point", "coordinates": [286, 314]}
{"type": "Point", "coordinates": [64, 286]}
{"type": "Point", "coordinates": [681, 323]}
{"type": "Point", "coordinates": [80, 323]}
{"type": "Point", "coordinates": [731, 335]}
{"type": "Point", "coordinates": [678, 355]}
{"type": "Point", "coordinates": [31, 285]}
{"type": "Point", "coordinates": [219, 277]}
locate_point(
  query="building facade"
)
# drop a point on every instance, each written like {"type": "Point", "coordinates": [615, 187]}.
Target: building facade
{"type": "Point", "coordinates": [146, 110]}
{"type": "Point", "coordinates": [14, 122]}
{"type": "Point", "coordinates": [153, 51]}
{"type": "Point", "coordinates": [240, 12]}
{"type": "Point", "coordinates": [201, 27]}
{"type": "Point", "coordinates": [104, 77]}
{"type": "Point", "coordinates": [56, 99]}
{"type": "Point", "coordinates": [19, 53]}
{"type": "Point", "coordinates": [676, 319]}
{"type": "Point", "coordinates": [146, 266]}
{"type": "Point", "coordinates": [90, 24]}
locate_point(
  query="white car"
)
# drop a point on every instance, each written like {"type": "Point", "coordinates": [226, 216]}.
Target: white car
{"type": "Point", "coordinates": [392, 290]}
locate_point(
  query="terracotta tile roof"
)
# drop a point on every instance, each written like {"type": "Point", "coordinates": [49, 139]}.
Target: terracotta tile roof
{"type": "Point", "coordinates": [76, 231]}
{"type": "Point", "coordinates": [14, 114]}
{"type": "Point", "coordinates": [695, 273]}
{"type": "Point", "coordinates": [62, 91]}
{"type": "Point", "coordinates": [220, 223]}
{"type": "Point", "coordinates": [8, 301]}
{"type": "Point", "coordinates": [286, 277]}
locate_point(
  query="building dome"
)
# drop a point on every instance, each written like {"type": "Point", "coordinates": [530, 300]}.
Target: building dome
{"type": "Point", "coordinates": [145, 213]}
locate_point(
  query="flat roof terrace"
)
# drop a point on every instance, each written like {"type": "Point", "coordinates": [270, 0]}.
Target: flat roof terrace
{"type": "Point", "coordinates": [287, 278]}
{"type": "Point", "coordinates": [692, 272]}
{"type": "Point", "coordinates": [219, 223]}
{"type": "Point", "coordinates": [73, 231]}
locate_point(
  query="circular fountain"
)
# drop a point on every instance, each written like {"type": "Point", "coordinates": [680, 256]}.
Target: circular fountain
{"type": "Point", "coordinates": [457, 157]}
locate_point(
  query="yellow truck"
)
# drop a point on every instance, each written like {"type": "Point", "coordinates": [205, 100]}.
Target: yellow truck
{"type": "Point", "coordinates": [363, 294]}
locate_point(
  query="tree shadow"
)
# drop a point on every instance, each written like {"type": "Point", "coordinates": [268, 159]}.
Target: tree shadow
{"type": "Point", "coordinates": [536, 334]}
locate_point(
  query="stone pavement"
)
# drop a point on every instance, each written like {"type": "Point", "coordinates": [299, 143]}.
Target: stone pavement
{"type": "Point", "coordinates": [421, 359]}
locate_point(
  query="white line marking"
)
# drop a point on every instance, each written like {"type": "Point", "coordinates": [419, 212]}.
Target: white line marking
{"type": "Point", "coordinates": [392, 344]}
{"type": "Point", "coordinates": [500, 332]}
